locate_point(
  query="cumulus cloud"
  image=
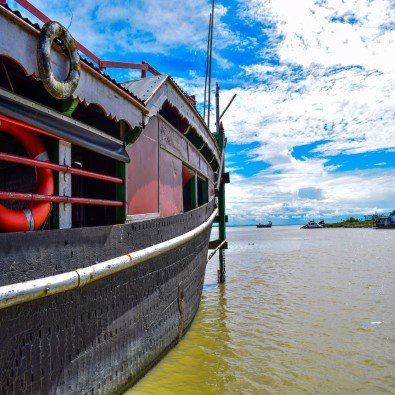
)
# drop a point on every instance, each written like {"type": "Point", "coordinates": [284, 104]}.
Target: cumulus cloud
{"type": "Point", "coordinates": [289, 195]}
{"type": "Point", "coordinates": [143, 27]}
{"type": "Point", "coordinates": [327, 32]}
{"type": "Point", "coordinates": [323, 79]}
{"type": "Point", "coordinates": [350, 108]}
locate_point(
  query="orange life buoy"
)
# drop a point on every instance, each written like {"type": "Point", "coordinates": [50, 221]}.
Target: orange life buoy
{"type": "Point", "coordinates": [34, 217]}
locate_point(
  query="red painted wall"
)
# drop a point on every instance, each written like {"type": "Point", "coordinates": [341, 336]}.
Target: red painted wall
{"type": "Point", "coordinates": [142, 172]}
{"type": "Point", "coordinates": [172, 140]}
{"type": "Point", "coordinates": [170, 184]}
{"type": "Point", "coordinates": [155, 175]}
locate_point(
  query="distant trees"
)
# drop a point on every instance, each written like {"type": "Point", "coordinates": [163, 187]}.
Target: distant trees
{"type": "Point", "coordinates": [392, 212]}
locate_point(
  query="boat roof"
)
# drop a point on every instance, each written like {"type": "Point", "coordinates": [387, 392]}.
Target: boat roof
{"type": "Point", "coordinates": [132, 101]}
{"type": "Point", "coordinates": [155, 91]}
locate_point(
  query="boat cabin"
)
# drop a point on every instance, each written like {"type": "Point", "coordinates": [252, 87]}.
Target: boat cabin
{"type": "Point", "coordinates": [108, 153]}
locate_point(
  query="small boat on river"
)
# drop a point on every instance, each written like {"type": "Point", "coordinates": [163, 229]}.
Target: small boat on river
{"type": "Point", "coordinates": [311, 225]}
{"type": "Point", "coordinates": [268, 225]}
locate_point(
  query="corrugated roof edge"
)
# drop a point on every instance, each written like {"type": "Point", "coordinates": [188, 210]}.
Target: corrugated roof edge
{"type": "Point", "coordinates": [165, 78]}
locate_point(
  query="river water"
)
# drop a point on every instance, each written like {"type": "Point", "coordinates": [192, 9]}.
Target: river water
{"type": "Point", "coordinates": [302, 311]}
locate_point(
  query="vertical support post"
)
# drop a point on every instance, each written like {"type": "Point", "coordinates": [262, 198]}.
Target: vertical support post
{"type": "Point", "coordinates": [222, 225]}
{"type": "Point", "coordinates": [217, 107]}
{"type": "Point", "coordinates": [220, 135]}
{"type": "Point", "coordinates": [120, 193]}
{"type": "Point", "coordinates": [65, 211]}
{"type": "Point", "coordinates": [194, 191]}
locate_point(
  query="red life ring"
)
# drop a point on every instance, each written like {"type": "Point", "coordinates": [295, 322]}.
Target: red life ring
{"type": "Point", "coordinates": [34, 217]}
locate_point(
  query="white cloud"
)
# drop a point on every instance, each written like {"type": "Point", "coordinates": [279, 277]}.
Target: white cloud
{"type": "Point", "coordinates": [149, 26]}
{"type": "Point", "coordinates": [320, 32]}
{"type": "Point", "coordinates": [307, 190]}
{"type": "Point", "coordinates": [351, 108]}
{"type": "Point", "coordinates": [332, 84]}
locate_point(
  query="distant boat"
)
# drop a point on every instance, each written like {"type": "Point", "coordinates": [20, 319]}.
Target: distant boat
{"type": "Point", "coordinates": [268, 225]}
{"type": "Point", "coordinates": [311, 225]}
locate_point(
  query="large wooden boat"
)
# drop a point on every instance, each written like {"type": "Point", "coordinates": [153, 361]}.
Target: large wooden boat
{"type": "Point", "coordinates": [107, 199]}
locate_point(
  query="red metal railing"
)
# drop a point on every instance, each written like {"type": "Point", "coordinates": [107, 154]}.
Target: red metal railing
{"type": "Point", "coordinates": [102, 64]}
{"type": "Point", "coordinates": [12, 123]}
{"type": "Point", "coordinates": [34, 197]}
{"type": "Point", "coordinates": [64, 169]}
{"type": "Point", "coordinates": [53, 166]}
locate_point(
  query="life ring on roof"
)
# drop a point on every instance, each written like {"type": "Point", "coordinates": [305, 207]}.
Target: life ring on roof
{"type": "Point", "coordinates": [34, 217]}
{"type": "Point", "coordinates": [58, 89]}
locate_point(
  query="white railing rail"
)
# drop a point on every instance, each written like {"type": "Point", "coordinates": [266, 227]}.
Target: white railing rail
{"type": "Point", "coordinates": [13, 294]}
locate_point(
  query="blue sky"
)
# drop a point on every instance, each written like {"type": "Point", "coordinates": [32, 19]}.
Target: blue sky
{"type": "Point", "coordinates": [311, 133]}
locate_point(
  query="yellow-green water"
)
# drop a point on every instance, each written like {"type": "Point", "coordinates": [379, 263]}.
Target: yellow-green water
{"type": "Point", "coordinates": [303, 311]}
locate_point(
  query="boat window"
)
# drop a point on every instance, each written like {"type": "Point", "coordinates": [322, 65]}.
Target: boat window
{"type": "Point", "coordinates": [195, 189]}
{"type": "Point", "coordinates": [202, 187]}
{"type": "Point", "coordinates": [93, 215]}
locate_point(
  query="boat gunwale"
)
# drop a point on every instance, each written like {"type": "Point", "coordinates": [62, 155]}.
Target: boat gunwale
{"type": "Point", "coordinates": [26, 291]}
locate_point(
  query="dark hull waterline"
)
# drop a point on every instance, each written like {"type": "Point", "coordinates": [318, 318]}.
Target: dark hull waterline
{"type": "Point", "coordinates": [106, 335]}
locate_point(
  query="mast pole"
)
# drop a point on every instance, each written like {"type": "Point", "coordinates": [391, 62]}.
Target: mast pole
{"type": "Point", "coordinates": [216, 107]}
{"type": "Point", "coordinates": [210, 64]}
{"type": "Point", "coordinates": [207, 61]}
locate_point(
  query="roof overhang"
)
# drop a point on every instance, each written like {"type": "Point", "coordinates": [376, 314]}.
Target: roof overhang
{"type": "Point", "coordinates": [19, 42]}
{"type": "Point", "coordinates": [47, 121]}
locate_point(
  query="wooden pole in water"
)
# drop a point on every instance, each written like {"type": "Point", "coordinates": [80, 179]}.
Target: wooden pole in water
{"type": "Point", "coordinates": [220, 135]}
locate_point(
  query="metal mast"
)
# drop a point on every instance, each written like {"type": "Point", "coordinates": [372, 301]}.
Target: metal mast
{"type": "Point", "coordinates": [207, 63]}
{"type": "Point", "coordinates": [210, 64]}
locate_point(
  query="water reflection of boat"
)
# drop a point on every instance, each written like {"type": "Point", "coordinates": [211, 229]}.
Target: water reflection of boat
{"type": "Point", "coordinates": [311, 225]}
{"type": "Point", "coordinates": [268, 225]}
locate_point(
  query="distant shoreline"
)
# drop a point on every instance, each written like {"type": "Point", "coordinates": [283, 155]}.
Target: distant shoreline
{"type": "Point", "coordinates": [343, 224]}
{"type": "Point", "coordinates": [350, 224]}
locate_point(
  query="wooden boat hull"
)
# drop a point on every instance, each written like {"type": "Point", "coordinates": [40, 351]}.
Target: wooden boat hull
{"type": "Point", "coordinates": [105, 336]}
